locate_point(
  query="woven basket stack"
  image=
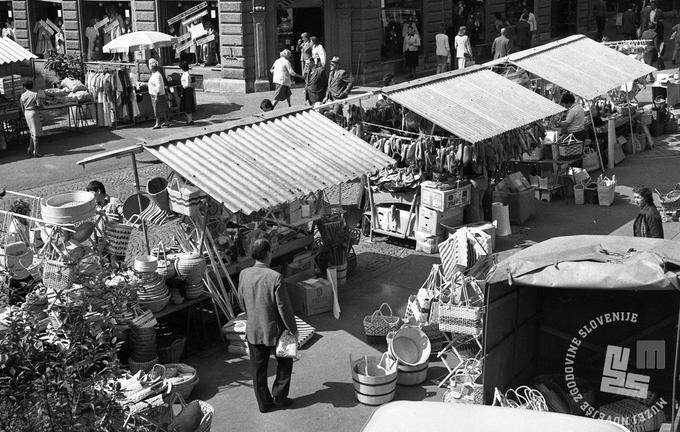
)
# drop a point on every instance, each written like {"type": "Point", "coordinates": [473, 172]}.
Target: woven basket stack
{"type": "Point", "coordinates": [191, 267]}
{"type": "Point", "coordinates": [143, 342]}
{"type": "Point", "coordinates": [152, 292]}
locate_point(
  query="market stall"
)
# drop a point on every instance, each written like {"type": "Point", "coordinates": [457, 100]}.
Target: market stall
{"type": "Point", "coordinates": [560, 312]}
{"type": "Point", "coordinates": [450, 134]}
{"type": "Point", "coordinates": [604, 79]}
{"type": "Point", "coordinates": [12, 121]}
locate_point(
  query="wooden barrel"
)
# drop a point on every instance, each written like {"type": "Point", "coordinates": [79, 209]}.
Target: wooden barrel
{"type": "Point", "coordinates": [342, 274]}
{"type": "Point", "coordinates": [372, 385]}
{"type": "Point", "coordinates": [412, 375]}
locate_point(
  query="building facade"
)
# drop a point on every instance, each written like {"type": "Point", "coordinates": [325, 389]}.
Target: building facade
{"type": "Point", "coordinates": [249, 34]}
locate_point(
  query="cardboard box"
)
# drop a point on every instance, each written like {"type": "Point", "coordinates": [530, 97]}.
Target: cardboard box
{"type": "Point", "coordinates": [430, 221]}
{"type": "Point", "coordinates": [522, 205]}
{"type": "Point", "coordinates": [312, 296]}
{"type": "Point", "coordinates": [398, 223]}
{"type": "Point", "coordinates": [427, 243]}
{"type": "Point", "coordinates": [443, 199]}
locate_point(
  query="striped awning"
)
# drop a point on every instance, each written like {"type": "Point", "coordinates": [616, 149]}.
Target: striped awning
{"type": "Point", "coordinates": [12, 52]}
{"type": "Point", "coordinates": [580, 65]}
{"type": "Point", "coordinates": [270, 162]}
{"type": "Point", "coordinates": [474, 104]}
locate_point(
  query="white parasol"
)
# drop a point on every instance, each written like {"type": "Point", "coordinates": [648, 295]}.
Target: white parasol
{"type": "Point", "coordinates": [138, 41]}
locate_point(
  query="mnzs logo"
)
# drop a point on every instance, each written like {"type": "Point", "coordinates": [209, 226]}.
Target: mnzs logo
{"type": "Point", "coordinates": [615, 376]}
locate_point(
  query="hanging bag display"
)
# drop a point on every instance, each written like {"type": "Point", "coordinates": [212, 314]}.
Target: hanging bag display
{"type": "Point", "coordinates": [184, 199]}
{"type": "Point", "coordinates": [462, 315]}
{"type": "Point", "coordinates": [570, 147]}
{"type": "Point", "coordinates": [463, 387]}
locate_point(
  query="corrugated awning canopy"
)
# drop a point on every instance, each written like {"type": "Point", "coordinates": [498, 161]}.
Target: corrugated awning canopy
{"type": "Point", "coordinates": [580, 65]}
{"type": "Point", "coordinates": [12, 52]}
{"type": "Point", "coordinates": [266, 163]}
{"type": "Point", "coordinates": [474, 104]}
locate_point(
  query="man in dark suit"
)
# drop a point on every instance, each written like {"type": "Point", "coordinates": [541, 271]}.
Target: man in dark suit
{"type": "Point", "coordinates": [340, 83]}
{"type": "Point", "coordinates": [270, 313]}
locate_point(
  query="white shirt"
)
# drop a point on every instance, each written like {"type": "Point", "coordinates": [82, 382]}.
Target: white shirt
{"type": "Point", "coordinates": [576, 117]}
{"type": "Point", "coordinates": [532, 22]}
{"type": "Point", "coordinates": [156, 84]}
{"type": "Point", "coordinates": [282, 71]}
{"type": "Point", "coordinates": [442, 42]}
{"type": "Point", "coordinates": [186, 79]}
{"type": "Point", "coordinates": [462, 44]}
{"type": "Point", "coordinates": [652, 15]}
{"type": "Point", "coordinates": [321, 52]}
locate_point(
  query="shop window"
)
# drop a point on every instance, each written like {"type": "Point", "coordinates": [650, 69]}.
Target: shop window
{"type": "Point", "coordinates": [6, 17]}
{"type": "Point", "coordinates": [563, 18]}
{"type": "Point", "coordinates": [397, 15]}
{"type": "Point", "coordinates": [469, 13]}
{"type": "Point", "coordinates": [196, 25]}
{"type": "Point", "coordinates": [46, 26]}
{"type": "Point", "coordinates": [104, 21]}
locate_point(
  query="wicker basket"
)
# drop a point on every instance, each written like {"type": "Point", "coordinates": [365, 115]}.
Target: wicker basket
{"type": "Point", "coordinates": [207, 412]}
{"type": "Point", "coordinates": [173, 352]}
{"type": "Point", "coordinates": [378, 324]}
{"type": "Point", "coordinates": [570, 147]}
{"type": "Point", "coordinates": [58, 276]}
{"type": "Point", "coordinates": [145, 366]}
{"type": "Point", "coordinates": [156, 305]}
{"type": "Point", "coordinates": [182, 386]}
{"type": "Point", "coordinates": [671, 200]}
{"type": "Point", "coordinates": [117, 237]}
{"type": "Point", "coordinates": [461, 319]}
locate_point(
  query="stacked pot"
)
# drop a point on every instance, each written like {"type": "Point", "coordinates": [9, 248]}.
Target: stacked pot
{"type": "Point", "coordinates": [410, 346]}
{"type": "Point", "coordinates": [191, 267]}
{"type": "Point", "coordinates": [151, 289]}
{"type": "Point", "coordinates": [143, 342]}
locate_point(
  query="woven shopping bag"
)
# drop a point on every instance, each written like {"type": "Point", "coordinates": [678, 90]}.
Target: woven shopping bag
{"type": "Point", "coordinates": [465, 314]}
{"type": "Point", "coordinates": [184, 199]}
{"type": "Point", "coordinates": [379, 324]}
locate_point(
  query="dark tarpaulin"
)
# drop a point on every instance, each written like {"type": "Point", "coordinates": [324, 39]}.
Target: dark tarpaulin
{"type": "Point", "coordinates": [594, 262]}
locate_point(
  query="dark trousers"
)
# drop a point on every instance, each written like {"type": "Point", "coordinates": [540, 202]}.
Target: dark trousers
{"type": "Point", "coordinates": [599, 22]}
{"type": "Point", "coordinates": [259, 360]}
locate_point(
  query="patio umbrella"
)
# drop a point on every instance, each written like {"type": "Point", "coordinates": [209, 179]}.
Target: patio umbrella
{"type": "Point", "coordinates": [139, 40]}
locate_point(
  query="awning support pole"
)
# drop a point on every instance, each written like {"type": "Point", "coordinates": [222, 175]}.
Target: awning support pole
{"type": "Point", "coordinates": [674, 422]}
{"type": "Point", "coordinates": [633, 139]}
{"type": "Point", "coordinates": [597, 141]}
{"type": "Point", "coordinates": [139, 201]}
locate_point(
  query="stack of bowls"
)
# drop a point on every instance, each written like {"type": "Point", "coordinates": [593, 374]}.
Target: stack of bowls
{"type": "Point", "coordinates": [143, 339]}
{"type": "Point", "coordinates": [151, 289]}
{"type": "Point", "coordinates": [68, 208]}
{"type": "Point", "coordinates": [192, 291]}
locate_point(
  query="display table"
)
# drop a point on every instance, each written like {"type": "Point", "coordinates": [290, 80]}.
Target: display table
{"type": "Point", "coordinates": [278, 251]}
{"type": "Point", "coordinates": [78, 113]}
{"type": "Point", "coordinates": [669, 91]}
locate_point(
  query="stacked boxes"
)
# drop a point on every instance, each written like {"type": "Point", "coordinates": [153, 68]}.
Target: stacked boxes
{"type": "Point", "coordinates": [441, 205]}
{"type": "Point", "coordinates": [11, 86]}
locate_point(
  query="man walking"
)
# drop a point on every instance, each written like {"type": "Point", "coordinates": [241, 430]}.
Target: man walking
{"type": "Point", "coordinates": [282, 71]}
{"type": "Point", "coordinates": [270, 313]}
{"type": "Point", "coordinates": [340, 83]}
{"type": "Point", "coordinates": [501, 45]}
{"type": "Point", "coordinates": [443, 49]}
{"type": "Point", "coordinates": [304, 46]}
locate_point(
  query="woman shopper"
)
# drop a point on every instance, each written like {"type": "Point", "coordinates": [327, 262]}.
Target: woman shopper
{"type": "Point", "coordinates": [188, 102]}
{"type": "Point", "coordinates": [30, 102]}
{"type": "Point", "coordinates": [410, 48]}
{"type": "Point", "coordinates": [282, 72]}
{"type": "Point", "coordinates": [648, 222]}
{"type": "Point", "coordinates": [463, 48]}
{"type": "Point", "coordinates": [159, 99]}
{"type": "Point", "coordinates": [443, 49]}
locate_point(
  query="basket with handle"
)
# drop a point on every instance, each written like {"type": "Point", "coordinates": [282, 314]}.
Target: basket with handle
{"type": "Point", "coordinates": [522, 397]}
{"type": "Point", "coordinates": [58, 275]}
{"type": "Point", "coordinates": [165, 267]}
{"type": "Point", "coordinates": [183, 384]}
{"type": "Point", "coordinates": [118, 235]}
{"type": "Point", "coordinates": [379, 324]}
{"type": "Point", "coordinates": [172, 353]}
{"type": "Point", "coordinates": [569, 147]}
{"type": "Point", "coordinates": [184, 199]}
{"type": "Point", "coordinates": [671, 200]}
{"type": "Point", "coordinates": [463, 316]}
{"type": "Point", "coordinates": [463, 387]}
{"type": "Point", "coordinates": [207, 412]}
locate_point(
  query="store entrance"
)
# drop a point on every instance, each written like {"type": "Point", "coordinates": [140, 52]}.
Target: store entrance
{"type": "Point", "coordinates": [292, 22]}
